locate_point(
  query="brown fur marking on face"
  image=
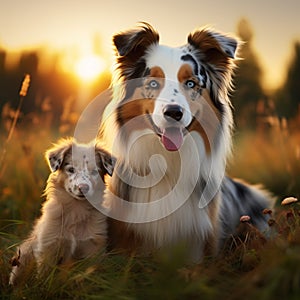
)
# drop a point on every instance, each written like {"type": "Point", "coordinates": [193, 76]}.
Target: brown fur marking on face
{"type": "Point", "coordinates": [133, 110]}
{"type": "Point", "coordinates": [207, 120]}
{"type": "Point", "coordinates": [196, 126]}
{"type": "Point", "coordinates": [132, 113]}
{"type": "Point", "coordinates": [141, 102]}
{"type": "Point", "coordinates": [206, 116]}
{"type": "Point", "coordinates": [211, 107]}
{"type": "Point", "coordinates": [157, 72]}
{"type": "Point", "coordinates": [185, 72]}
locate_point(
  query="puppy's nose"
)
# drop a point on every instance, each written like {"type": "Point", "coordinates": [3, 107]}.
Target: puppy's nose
{"type": "Point", "coordinates": [174, 112]}
{"type": "Point", "coordinates": [83, 188]}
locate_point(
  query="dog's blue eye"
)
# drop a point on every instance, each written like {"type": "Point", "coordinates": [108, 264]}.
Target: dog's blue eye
{"type": "Point", "coordinates": [190, 84]}
{"type": "Point", "coordinates": [154, 84]}
{"type": "Point", "coordinates": [71, 170]}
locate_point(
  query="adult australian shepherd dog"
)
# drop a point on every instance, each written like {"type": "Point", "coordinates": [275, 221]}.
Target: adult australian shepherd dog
{"type": "Point", "coordinates": [170, 125]}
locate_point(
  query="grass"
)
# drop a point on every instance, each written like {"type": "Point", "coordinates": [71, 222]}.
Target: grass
{"type": "Point", "coordinates": [249, 267]}
{"type": "Point", "coordinates": [271, 158]}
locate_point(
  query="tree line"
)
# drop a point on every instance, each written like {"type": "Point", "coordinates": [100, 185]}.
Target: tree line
{"type": "Point", "coordinates": [250, 99]}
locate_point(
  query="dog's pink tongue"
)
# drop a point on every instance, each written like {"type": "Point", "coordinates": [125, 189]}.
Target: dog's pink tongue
{"type": "Point", "coordinates": [172, 138]}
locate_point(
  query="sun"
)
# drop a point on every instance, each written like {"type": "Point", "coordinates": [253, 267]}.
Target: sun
{"type": "Point", "coordinates": [89, 67]}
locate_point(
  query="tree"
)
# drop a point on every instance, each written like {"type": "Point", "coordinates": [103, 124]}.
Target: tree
{"type": "Point", "coordinates": [247, 81]}
{"type": "Point", "coordinates": [288, 100]}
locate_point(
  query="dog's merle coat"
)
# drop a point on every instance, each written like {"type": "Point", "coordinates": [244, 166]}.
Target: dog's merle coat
{"type": "Point", "coordinates": [174, 104]}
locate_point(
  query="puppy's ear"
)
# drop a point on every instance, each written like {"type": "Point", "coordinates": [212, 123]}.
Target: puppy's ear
{"type": "Point", "coordinates": [133, 43]}
{"type": "Point", "coordinates": [56, 154]}
{"type": "Point", "coordinates": [107, 162]}
{"type": "Point", "coordinates": [216, 47]}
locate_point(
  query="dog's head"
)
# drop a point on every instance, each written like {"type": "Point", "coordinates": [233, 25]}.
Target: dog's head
{"type": "Point", "coordinates": [176, 89]}
{"type": "Point", "coordinates": [81, 167]}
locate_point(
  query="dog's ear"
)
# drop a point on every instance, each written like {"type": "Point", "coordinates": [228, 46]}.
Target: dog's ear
{"type": "Point", "coordinates": [107, 161]}
{"type": "Point", "coordinates": [56, 154]}
{"type": "Point", "coordinates": [216, 47]}
{"type": "Point", "coordinates": [133, 43]}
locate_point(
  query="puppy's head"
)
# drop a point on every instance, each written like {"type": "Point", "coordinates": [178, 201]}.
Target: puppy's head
{"type": "Point", "coordinates": [175, 88]}
{"type": "Point", "coordinates": [80, 167]}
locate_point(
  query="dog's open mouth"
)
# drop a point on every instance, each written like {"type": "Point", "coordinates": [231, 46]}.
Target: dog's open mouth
{"type": "Point", "coordinates": [171, 137]}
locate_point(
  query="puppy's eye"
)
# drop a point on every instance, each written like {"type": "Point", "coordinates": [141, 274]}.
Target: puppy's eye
{"type": "Point", "coordinates": [153, 84]}
{"type": "Point", "coordinates": [190, 84]}
{"type": "Point", "coordinates": [71, 170]}
{"type": "Point", "coordinates": [95, 172]}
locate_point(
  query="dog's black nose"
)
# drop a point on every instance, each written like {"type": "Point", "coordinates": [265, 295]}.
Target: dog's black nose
{"type": "Point", "coordinates": [83, 188]}
{"type": "Point", "coordinates": [174, 112]}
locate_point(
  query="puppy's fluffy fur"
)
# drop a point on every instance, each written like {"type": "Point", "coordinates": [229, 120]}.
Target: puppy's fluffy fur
{"type": "Point", "coordinates": [69, 227]}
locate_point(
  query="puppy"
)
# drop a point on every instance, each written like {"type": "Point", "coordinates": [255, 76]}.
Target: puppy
{"type": "Point", "coordinates": [70, 227]}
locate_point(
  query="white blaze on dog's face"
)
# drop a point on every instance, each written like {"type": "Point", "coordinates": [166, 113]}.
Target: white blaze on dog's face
{"type": "Point", "coordinates": [180, 89]}
{"type": "Point", "coordinates": [172, 112]}
{"type": "Point", "coordinates": [81, 167]}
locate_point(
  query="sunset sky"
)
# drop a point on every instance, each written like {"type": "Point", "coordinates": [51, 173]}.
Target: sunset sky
{"type": "Point", "coordinates": [69, 24]}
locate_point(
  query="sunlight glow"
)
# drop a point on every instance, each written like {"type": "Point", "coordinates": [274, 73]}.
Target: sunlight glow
{"type": "Point", "coordinates": [89, 67]}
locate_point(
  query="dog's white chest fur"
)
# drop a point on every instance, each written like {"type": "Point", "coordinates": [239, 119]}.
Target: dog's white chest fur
{"type": "Point", "coordinates": [164, 192]}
